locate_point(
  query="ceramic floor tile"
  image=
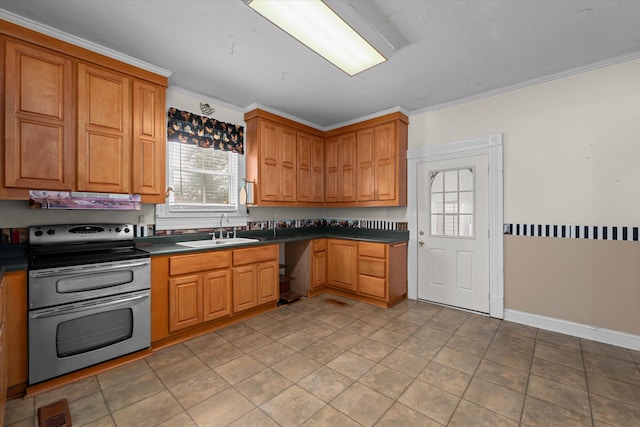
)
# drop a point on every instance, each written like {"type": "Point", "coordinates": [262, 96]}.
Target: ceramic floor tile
{"type": "Point", "coordinates": [372, 350]}
{"type": "Point", "coordinates": [277, 331]}
{"type": "Point", "coordinates": [401, 416]}
{"type": "Point", "coordinates": [106, 421]}
{"type": "Point", "coordinates": [181, 371]}
{"type": "Point", "coordinates": [263, 386]}
{"type": "Point", "coordinates": [571, 359]}
{"type": "Point", "coordinates": [168, 356]}
{"type": "Point", "coordinates": [292, 407]}
{"type": "Point", "coordinates": [20, 409]}
{"type": "Point", "coordinates": [622, 371]}
{"type": "Point", "coordinates": [221, 409]}
{"type": "Point", "coordinates": [255, 418]}
{"type": "Point", "coordinates": [72, 391]}
{"type": "Point", "coordinates": [361, 328]}
{"type": "Point", "coordinates": [517, 343]}
{"type": "Point", "coordinates": [298, 340]}
{"type": "Point", "coordinates": [150, 411]}
{"type": "Point", "coordinates": [495, 398]}
{"type": "Point", "coordinates": [404, 362]}
{"type": "Point", "coordinates": [325, 383]}
{"type": "Point", "coordinates": [430, 401]}
{"type": "Point", "coordinates": [432, 335]}
{"type": "Point", "coordinates": [416, 317]}
{"type": "Point", "coordinates": [615, 390]}
{"type": "Point", "coordinates": [235, 331]}
{"type": "Point", "coordinates": [614, 412]}
{"type": "Point", "coordinates": [402, 326]}
{"type": "Point", "coordinates": [182, 420]}
{"type": "Point", "coordinates": [445, 378]}
{"type": "Point", "coordinates": [420, 348]}
{"type": "Point", "coordinates": [329, 416]}
{"type": "Point", "coordinates": [558, 341]}
{"type": "Point", "coordinates": [125, 394]}
{"type": "Point", "coordinates": [388, 337]}
{"type": "Point", "coordinates": [386, 381]}
{"type": "Point", "coordinates": [220, 355]}
{"type": "Point", "coordinates": [261, 322]}
{"type": "Point", "coordinates": [322, 351]}
{"type": "Point", "coordinates": [123, 373]}
{"type": "Point", "coordinates": [196, 389]}
{"type": "Point", "coordinates": [563, 374]}
{"type": "Point", "coordinates": [319, 329]}
{"type": "Point", "coordinates": [251, 342]}
{"type": "Point", "coordinates": [517, 330]}
{"type": "Point", "coordinates": [502, 375]}
{"type": "Point", "coordinates": [457, 360]}
{"type": "Point", "coordinates": [559, 394]}
{"type": "Point", "coordinates": [467, 345]}
{"type": "Point", "coordinates": [239, 369]}
{"type": "Point", "coordinates": [469, 414]}
{"type": "Point", "coordinates": [272, 353]}
{"type": "Point", "coordinates": [538, 413]}
{"type": "Point", "coordinates": [344, 339]}
{"type": "Point", "coordinates": [351, 365]}
{"type": "Point", "coordinates": [606, 350]}
{"type": "Point", "coordinates": [338, 320]}
{"type": "Point", "coordinates": [507, 357]}
{"type": "Point", "coordinates": [296, 367]}
{"type": "Point", "coordinates": [204, 342]}
{"type": "Point", "coordinates": [362, 404]}
{"type": "Point", "coordinates": [88, 408]}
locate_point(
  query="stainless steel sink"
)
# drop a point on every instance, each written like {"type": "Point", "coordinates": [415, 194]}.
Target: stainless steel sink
{"type": "Point", "coordinates": [217, 242]}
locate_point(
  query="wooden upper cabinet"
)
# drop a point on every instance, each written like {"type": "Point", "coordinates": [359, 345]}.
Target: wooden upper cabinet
{"type": "Point", "coordinates": [310, 168]}
{"type": "Point", "coordinates": [104, 130]}
{"type": "Point", "coordinates": [378, 163]}
{"type": "Point", "coordinates": [365, 177]}
{"type": "Point", "coordinates": [277, 181]}
{"type": "Point", "coordinates": [149, 142]}
{"type": "Point", "coordinates": [340, 168]}
{"type": "Point", "coordinates": [39, 118]}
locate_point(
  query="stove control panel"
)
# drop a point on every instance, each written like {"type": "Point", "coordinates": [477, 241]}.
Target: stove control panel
{"type": "Point", "coordinates": [48, 234]}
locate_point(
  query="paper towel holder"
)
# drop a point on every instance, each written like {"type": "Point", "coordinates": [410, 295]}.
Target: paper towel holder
{"type": "Point", "coordinates": [246, 192]}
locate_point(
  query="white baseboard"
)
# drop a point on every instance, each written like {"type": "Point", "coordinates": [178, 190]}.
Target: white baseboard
{"type": "Point", "coordinates": [594, 333]}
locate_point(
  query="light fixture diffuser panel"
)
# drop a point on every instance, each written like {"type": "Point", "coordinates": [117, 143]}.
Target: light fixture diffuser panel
{"type": "Point", "coordinates": [317, 26]}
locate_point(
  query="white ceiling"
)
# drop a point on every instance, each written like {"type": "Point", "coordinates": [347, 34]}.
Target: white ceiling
{"type": "Point", "coordinates": [456, 49]}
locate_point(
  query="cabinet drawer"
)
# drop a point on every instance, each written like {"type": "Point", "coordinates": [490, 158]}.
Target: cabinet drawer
{"type": "Point", "coordinates": [371, 267]}
{"type": "Point", "coordinates": [256, 254]}
{"type": "Point", "coordinates": [319, 245]}
{"type": "Point", "coordinates": [375, 250]}
{"type": "Point", "coordinates": [372, 286]}
{"type": "Point", "coordinates": [183, 264]}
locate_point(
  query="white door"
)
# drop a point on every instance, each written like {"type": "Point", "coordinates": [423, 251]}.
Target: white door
{"type": "Point", "coordinates": [453, 232]}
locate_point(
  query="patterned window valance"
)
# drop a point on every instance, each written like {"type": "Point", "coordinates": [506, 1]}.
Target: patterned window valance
{"type": "Point", "coordinates": [192, 129]}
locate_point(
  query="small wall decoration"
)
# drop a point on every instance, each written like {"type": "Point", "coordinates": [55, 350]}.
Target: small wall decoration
{"type": "Point", "coordinates": [189, 128]}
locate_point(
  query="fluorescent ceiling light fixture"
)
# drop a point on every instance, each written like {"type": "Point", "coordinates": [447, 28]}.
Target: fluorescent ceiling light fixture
{"type": "Point", "coordinates": [316, 25]}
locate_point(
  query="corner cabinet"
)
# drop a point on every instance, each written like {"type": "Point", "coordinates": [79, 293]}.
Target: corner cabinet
{"type": "Point", "coordinates": [78, 121]}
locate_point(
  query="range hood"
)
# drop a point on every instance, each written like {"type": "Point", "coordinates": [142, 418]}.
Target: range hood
{"type": "Point", "coordinates": [87, 201]}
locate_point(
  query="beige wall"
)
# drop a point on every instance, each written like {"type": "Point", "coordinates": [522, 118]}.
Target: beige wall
{"type": "Point", "coordinates": [591, 282]}
{"type": "Point", "coordinates": [571, 156]}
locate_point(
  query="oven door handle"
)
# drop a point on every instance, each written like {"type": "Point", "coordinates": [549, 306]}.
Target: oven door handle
{"type": "Point", "coordinates": [76, 308]}
{"type": "Point", "coordinates": [84, 270]}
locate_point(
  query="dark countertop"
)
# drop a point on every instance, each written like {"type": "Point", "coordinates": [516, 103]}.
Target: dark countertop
{"type": "Point", "coordinates": [166, 245]}
{"type": "Point", "coordinates": [13, 257]}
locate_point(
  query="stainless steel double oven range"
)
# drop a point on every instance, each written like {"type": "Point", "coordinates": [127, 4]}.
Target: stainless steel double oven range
{"type": "Point", "coordinates": [89, 297]}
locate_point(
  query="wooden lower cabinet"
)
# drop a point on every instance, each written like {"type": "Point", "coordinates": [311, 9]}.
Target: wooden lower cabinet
{"type": "Point", "coordinates": [372, 272]}
{"type": "Point", "coordinates": [255, 277]}
{"type": "Point", "coordinates": [185, 302]}
{"type": "Point", "coordinates": [318, 264]}
{"type": "Point", "coordinates": [341, 263]}
{"type": "Point", "coordinates": [14, 293]}
{"type": "Point", "coordinates": [3, 357]}
{"type": "Point", "coordinates": [216, 294]}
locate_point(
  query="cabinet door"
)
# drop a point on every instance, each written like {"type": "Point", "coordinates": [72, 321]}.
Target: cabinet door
{"type": "Point", "coordinates": [287, 155]}
{"type": "Point", "coordinates": [317, 170]}
{"type": "Point", "coordinates": [310, 168]}
{"type": "Point", "coordinates": [347, 167]}
{"type": "Point", "coordinates": [365, 179]}
{"type": "Point", "coordinates": [104, 128]}
{"type": "Point", "coordinates": [15, 295]}
{"type": "Point", "coordinates": [268, 282]}
{"type": "Point", "coordinates": [149, 152]}
{"type": "Point", "coordinates": [185, 302]}
{"type": "Point", "coordinates": [39, 119]}
{"type": "Point", "coordinates": [269, 185]}
{"type": "Point", "coordinates": [319, 269]}
{"type": "Point", "coordinates": [331, 170]}
{"type": "Point", "coordinates": [216, 294]}
{"type": "Point", "coordinates": [385, 157]}
{"type": "Point", "coordinates": [244, 288]}
{"type": "Point", "coordinates": [342, 263]}
{"type": "Point", "coordinates": [372, 269]}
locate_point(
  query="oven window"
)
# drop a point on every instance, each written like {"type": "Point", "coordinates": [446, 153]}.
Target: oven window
{"type": "Point", "coordinates": [93, 332]}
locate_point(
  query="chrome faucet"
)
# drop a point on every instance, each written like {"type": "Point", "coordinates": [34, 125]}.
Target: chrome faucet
{"type": "Point", "coordinates": [223, 216]}
{"type": "Point", "coordinates": [275, 223]}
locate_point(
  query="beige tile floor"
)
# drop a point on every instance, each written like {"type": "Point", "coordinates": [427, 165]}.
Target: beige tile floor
{"type": "Point", "coordinates": [315, 363]}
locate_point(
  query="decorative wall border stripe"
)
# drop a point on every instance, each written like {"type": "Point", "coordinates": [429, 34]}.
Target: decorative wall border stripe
{"type": "Point", "coordinates": [594, 232]}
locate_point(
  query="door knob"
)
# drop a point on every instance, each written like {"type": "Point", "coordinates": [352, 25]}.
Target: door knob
{"type": "Point", "coordinates": [421, 242]}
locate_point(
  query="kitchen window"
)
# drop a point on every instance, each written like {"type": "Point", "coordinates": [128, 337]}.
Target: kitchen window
{"type": "Point", "coordinates": [203, 174]}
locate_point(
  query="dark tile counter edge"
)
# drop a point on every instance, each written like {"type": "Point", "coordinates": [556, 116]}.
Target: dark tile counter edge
{"type": "Point", "coordinates": [164, 245]}
{"type": "Point", "coordinates": [13, 257]}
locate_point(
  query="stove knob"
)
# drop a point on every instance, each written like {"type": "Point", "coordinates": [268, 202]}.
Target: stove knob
{"type": "Point", "coordinates": [38, 233]}
{"type": "Point", "coordinates": [126, 230]}
{"type": "Point", "coordinates": [117, 229]}
{"type": "Point", "coordinates": [51, 232]}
